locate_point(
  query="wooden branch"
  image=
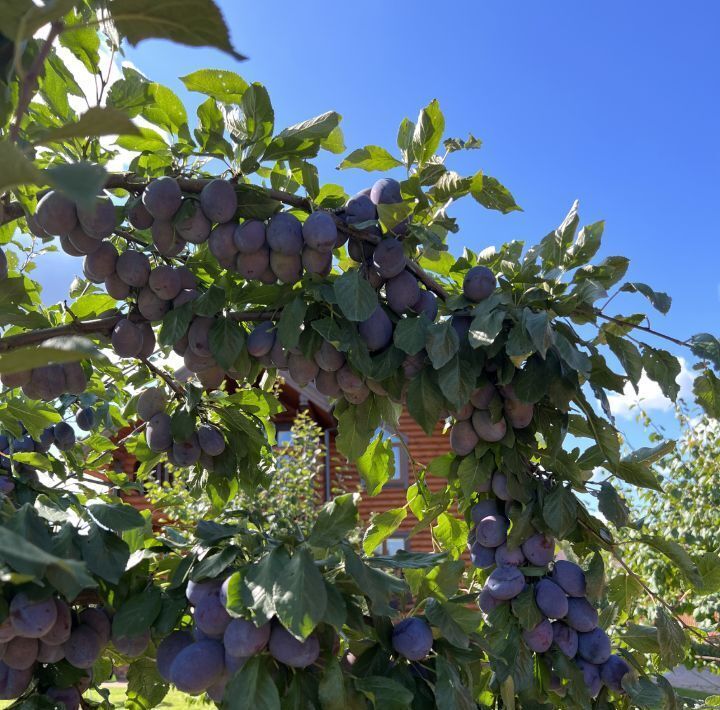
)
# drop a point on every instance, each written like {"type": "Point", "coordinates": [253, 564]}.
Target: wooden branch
{"type": "Point", "coordinates": [132, 183]}
{"type": "Point", "coordinates": [104, 326]}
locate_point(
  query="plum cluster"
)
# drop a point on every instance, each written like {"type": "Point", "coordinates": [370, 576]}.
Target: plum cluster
{"type": "Point", "coordinates": [485, 418]}
{"type": "Point", "coordinates": [569, 621]}
{"type": "Point", "coordinates": [204, 658]}
{"type": "Point", "coordinates": [49, 381]}
{"type": "Point", "coordinates": [39, 632]}
{"type": "Point", "coordinates": [201, 446]}
{"type": "Point", "coordinates": [281, 250]}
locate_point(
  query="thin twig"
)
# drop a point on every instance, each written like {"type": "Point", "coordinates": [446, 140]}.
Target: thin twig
{"type": "Point", "coordinates": [179, 391]}
{"type": "Point", "coordinates": [644, 328]}
{"type": "Point", "coordinates": [29, 83]}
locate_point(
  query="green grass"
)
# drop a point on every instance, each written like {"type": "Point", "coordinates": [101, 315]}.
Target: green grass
{"type": "Point", "coordinates": [174, 700]}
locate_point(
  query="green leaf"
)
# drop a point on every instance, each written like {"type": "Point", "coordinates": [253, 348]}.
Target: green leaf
{"type": "Point", "coordinates": [377, 464]}
{"type": "Point", "coordinates": [671, 638]}
{"type": "Point", "coordinates": [96, 121]}
{"type": "Point", "coordinates": [83, 42]}
{"type": "Point", "coordinates": [384, 692]}
{"type": "Point", "coordinates": [660, 301]}
{"type": "Point", "coordinates": [81, 182]}
{"type": "Point", "coordinates": [226, 340]}
{"type": "Point", "coordinates": [331, 689]}
{"type": "Point", "coordinates": [175, 325]}
{"type": "Point", "coordinates": [473, 473]}
{"type": "Point", "coordinates": [355, 296]}
{"type": "Point", "coordinates": [197, 23]}
{"type": "Point", "coordinates": [291, 320]}
{"type": "Point", "coordinates": [117, 517]}
{"type": "Point", "coordinates": [643, 692]}
{"type": "Point", "coordinates": [371, 157]}
{"type": "Point", "coordinates": [675, 552]}
{"type": "Point", "coordinates": [560, 509]}
{"type": "Point", "coordinates": [457, 381]}
{"type": "Point", "coordinates": [428, 132]}
{"type": "Point", "coordinates": [17, 168]}
{"type": "Point", "coordinates": [526, 610]}
{"type": "Point", "coordinates": [299, 594]}
{"type": "Point", "coordinates": [450, 692]}
{"type": "Point", "coordinates": [485, 327]}
{"type": "Point", "coordinates": [706, 347]}
{"type": "Point", "coordinates": [707, 393]}
{"type": "Point", "coordinates": [65, 348]}
{"type": "Point", "coordinates": [382, 525]}
{"type": "Point", "coordinates": [136, 615]}
{"type": "Point", "coordinates": [145, 687]}
{"type": "Point", "coordinates": [537, 325]}
{"type": "Point", "coordinates": [612, 505]}
{"type": "Point", "coordinates": [253, 687]}
{"type": "Point", "coordinates": [663, 368]}
{"type": "Point", "coordinates": [105, 554]}
{"type": "Point", "coordinates": [410, 334]}
{"type": "Point", "coordinates": [442, 343]}
{"type": "Point", "coordinates": [495, 196]}
{"type": "Point", "coordinates": [210, 303]}
{"type": "Point", "coordinates": [335, 520]}
{"type": "Point", "coordinates": [302, 140]}
{"type": "Point", "coordinates": [425, 401]}
{"type": "Point", "coordinates": [227, 87]}
{"type": "Point", "coordinates": [628, 355]}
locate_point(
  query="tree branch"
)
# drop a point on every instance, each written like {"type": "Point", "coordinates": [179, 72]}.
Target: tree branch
{"type": "Point", "coordinates": [644, 328]}
{"type": "Point", "coordinates": [29, 83]}
{"type": "Point", "coordinates": [132, 183]}
{"type": "Point", "coordinates": [105, 325]}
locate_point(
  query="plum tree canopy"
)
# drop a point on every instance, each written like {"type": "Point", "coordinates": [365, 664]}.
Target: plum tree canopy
{"type": "Point", "coordinates": [218, 261]}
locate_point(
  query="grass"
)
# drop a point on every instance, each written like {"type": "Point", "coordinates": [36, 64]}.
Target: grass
{"type": "Point", "coordinates": [174, 700]}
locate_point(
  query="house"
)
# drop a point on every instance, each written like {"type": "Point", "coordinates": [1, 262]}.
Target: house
{"type": "Point", "coordinates": [336, 473]}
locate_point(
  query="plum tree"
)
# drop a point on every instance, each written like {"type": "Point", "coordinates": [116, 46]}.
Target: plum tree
{"type": "Point", "coordinates": [492, 530]}
{"type": "Point", "coordinates": [286, 649]}
{"type": "Point", "coordinates": [69, 698]}
{"type": "Point", "coordinates": [487, 429]}
{"type": "Point", "coordinates": [539, 549]}
{"type": "Point", "coordinates": [211, 440]}
{"type": "Point", "coordinates": [219, 201]}
{"type": "Point", "coordinates": [261, 339]}
{"type": "Point", "coordinates": [551, 599]}
{"type": "Point", "coordinates": [83, 647]}
{"type": "Point", "coordinates": [377, 330]}
{"type": "Point", "coordinates": [64, 436]}
{"type": "Point", "coordinates": [565, 638]}
{"type": "Point", "coordinates": [56, 214]}
{"type": "Point", "coordinates": [284, 234]}
{"type": "Point", "coordinates": [151, 401]}
{"type": "Point", "coordinates": [412, 638]}
{"type": "Point", "coordinates": [126, 338]}
{"type": "Point", "coordinates": [505, 582]}
{"type": "Point", "coordinates": [540, 637]}
{"type": "Point", "coordinates": [243, 639]}
{"type": "Point", "coordinates": [133, 267]}
{"type": "Point", "coordinates": [613, 671]}
{"type": "Point", "coordinates": [328, 357]}
{"type": "Point", "coordinates": [505, 555]}
{"type": "Point", "coordinates": [316, 262]}
{"type": "Point", "coordinates": [168, 650]}
{"type": "Point", "coordinates": [32, 619]}
{"type": "Point", "coordinates": [479, 283]}
{"type": "Point", "coordinates": [319, 231]}
{"type": "Point", "coordinates": [158, 432]}
{"type": "Point", "coordinates": [198, 666]}
{"type": "Point", "coordinates": [286, 267]}
{"type": "Point", "coordinates": [99, 220]}
{"type": "Point", "coordinates": [389, 258]}
{"type": "Point", "coordinates": [162, 198]}
{"type": "Point", "coordinates": [591, 676]}
{"type": "Point", "coordinates": [570, 577]}
{"type": "Point", "coordinates": [581, 615]}
{"type": "Point", "coordinates": [402, 292]}
{"type": "Point", "coordinates": [165, 282]}
{"type": "Point", "coordinates": [131, 646]}
{"type": "Point", "coordinates": [385, 191]}
{"type": "Point", "coordinates": [85, 418]}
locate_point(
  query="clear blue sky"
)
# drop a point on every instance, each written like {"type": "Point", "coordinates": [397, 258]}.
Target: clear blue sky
{"type": "Point", "coordinates": [614, 103]}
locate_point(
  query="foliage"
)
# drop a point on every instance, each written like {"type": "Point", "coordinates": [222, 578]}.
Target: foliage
{"type": "Point", "coordinates": [516, 355]}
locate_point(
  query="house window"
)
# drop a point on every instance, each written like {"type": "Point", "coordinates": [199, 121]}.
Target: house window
{"type": "Point", "coordinates": [400, 475]}
{"type": "Point", "coordinates": [393, 544]}
{"type": "Point", "coordinates": [283, 435]}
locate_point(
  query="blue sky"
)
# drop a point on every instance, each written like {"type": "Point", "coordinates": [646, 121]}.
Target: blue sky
{"type": "Point", "coordinates": [612, 103]}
